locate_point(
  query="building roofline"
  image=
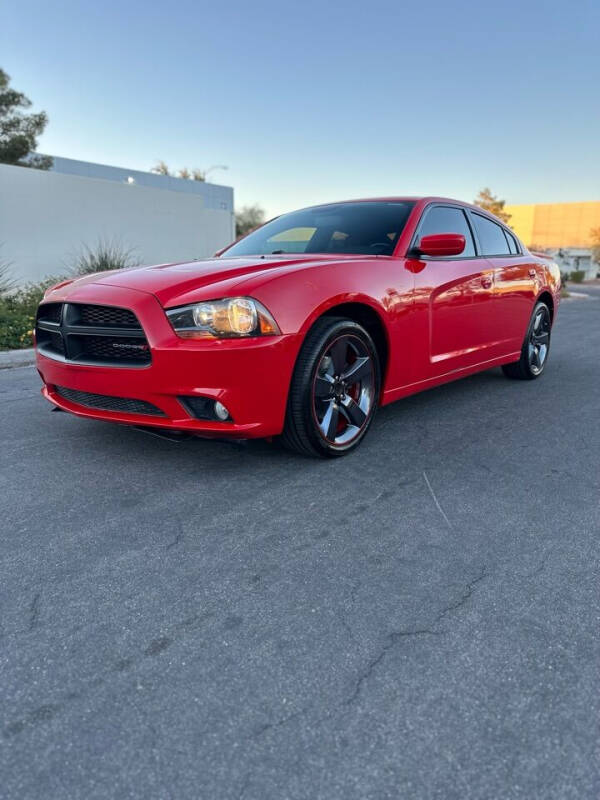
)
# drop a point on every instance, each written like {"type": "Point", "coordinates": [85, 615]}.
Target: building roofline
{"type": "Point", "coordinates": [94, 169]}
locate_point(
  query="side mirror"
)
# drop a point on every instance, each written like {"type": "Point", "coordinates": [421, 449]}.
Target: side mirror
{"type": "Point", "coordinates": [441, 244]}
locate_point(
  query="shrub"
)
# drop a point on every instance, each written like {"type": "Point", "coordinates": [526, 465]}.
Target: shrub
{"type": "Point", "coordinates": [577, 276]}
{"type": "Point", "coordinates": [106, 254]}
{"type": "Point", "coordinates": [16, 327]}
{"type": "Point", "coordinates": [17, 314]}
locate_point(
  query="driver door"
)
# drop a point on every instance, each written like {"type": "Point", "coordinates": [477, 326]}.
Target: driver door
{"type": "Point", "coordinates": [454, 300]}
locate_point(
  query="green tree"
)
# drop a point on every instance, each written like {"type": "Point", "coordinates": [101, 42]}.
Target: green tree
{"type": "Point", "coordinates": [248, 218]}
{"type": "Point", "coordinates": [489, 202]}
{"type": "Point", "coordinates": [161, 168]}
{"type": "Point", "coordinates": [595, 236]}
{"type": "Point", "coordinates": [186, 174]}
{"type": "Point", "coordinates": [19, 131]}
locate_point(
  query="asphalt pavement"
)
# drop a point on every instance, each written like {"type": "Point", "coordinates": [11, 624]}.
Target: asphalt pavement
{"type": "Point", "coordinates": [213, 620]}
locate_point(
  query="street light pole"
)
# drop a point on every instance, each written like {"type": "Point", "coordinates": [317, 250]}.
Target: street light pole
{"type": "Point", "coordinates": [211, 169]}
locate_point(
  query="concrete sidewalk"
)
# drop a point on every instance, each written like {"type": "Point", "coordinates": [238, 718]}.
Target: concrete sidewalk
{"type": "Point", "coordinates": [17, 358]}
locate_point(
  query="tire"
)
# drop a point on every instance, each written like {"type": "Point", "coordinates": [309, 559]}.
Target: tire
{"type": "Point", "coordinates": [334, 390]}
{"type": "Point", "coordinates": [536, 347]}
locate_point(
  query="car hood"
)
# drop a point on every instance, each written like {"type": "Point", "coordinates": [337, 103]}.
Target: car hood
{"type": "Point", "coordinates": [172, 284]}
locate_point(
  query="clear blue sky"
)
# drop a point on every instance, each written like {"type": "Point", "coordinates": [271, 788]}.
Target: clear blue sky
{"type": "Point", "coordinates": [315, 101]}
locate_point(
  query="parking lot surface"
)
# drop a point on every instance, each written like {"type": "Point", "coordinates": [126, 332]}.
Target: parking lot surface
{"type": "Point", "coordinates": [212, 620]}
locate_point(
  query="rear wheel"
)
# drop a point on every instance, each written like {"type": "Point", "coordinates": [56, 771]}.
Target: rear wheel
{"type": "Point", "coordinates": [334, 389]}
{"type": "Point", "coordinates": [534, 353]}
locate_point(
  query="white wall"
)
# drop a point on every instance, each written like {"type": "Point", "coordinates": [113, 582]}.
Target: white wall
{"type": "Point", "coordinates": [45, 217]}
{"type": "Point", "coordinates": [570, 259]}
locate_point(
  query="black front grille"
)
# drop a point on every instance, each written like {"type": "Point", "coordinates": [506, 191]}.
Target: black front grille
{"type": "Point", "coordinates": [104, 402]}
{"type": "Point", "coordinates": [106, 349]}
{"type": "Point", "coordinates": [50, 312]}
{"type": "Point", "coordinates": [106, 316]}
{"type": "Point", "coordinates": [91, 334]}
{"type": "Point", "coordinates": [55, 343]}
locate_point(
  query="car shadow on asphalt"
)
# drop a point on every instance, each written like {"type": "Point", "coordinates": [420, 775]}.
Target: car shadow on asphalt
{"type": "Point", "coordinates": [463, 397]}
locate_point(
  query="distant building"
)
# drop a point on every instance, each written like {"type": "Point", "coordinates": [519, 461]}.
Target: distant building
{"type": "Point", "coordinates": [47, 216]}
{"type": "Point", "coordinates": [562, 230]}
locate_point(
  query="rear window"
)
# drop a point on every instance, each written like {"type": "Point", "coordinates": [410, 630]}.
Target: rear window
{"type": "Point", "coordinates": [512, 242]}
{"type": "Point", "coordinates": [347, 228]}
{"type": "Point", "coordinates": [491, 236]}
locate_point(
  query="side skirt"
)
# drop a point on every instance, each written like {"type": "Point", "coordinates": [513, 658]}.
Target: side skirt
{"type": "Point", "coordinates": [390, 395]}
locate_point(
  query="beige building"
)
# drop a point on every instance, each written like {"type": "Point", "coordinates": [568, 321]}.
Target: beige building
{"type": "Point", "coordinates": [555, 225]}
{"type": "Point", "coordinates": [563, 230]}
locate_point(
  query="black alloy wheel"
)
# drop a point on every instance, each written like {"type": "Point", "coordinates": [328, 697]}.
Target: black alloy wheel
{"type": "Point", "coordinates": [534, 353]}
{"type": "Point", "coordinates": [334, 391]}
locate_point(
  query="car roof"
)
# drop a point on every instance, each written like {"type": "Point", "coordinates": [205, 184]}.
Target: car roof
{"type": "Point", "coordinates": [422, 201]}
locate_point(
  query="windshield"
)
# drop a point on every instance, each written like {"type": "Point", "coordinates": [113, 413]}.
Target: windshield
{"type": "Point", "coordinates": [370, 228]}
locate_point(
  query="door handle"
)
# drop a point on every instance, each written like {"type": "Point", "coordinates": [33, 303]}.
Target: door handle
{"type": "Point", "coordinates": [486, 282]}
{"type": "Point", "coordinates": [532, 273]}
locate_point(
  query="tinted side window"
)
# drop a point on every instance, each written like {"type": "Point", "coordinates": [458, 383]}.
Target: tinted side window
{"type": "Point", "coordinates": [491, 236]}
{"type": "Point", "coordinates": [512, 244]}
{"type": "Point", "coordinates": [443, 219]}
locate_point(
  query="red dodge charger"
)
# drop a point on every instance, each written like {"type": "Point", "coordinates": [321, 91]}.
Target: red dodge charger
{"type": "Point", "coordinates": [303, 327]}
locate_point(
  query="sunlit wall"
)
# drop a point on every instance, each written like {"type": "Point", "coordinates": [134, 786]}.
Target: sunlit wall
{"type": "Point", "coordinates": [550, 225]}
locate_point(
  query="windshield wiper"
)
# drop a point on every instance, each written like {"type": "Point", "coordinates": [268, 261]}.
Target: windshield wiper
{"type": "Point", "coordinates": [277, 252]}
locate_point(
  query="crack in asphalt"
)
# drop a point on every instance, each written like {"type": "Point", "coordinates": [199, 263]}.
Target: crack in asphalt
{"type": "Point", "coordinates": [396, 636]}
{"type": "Point", "coordinates": [179, 536]}
{"type": "Point", "coordinates": [363, 507]}
{"type": "Point", "coordinates": [470, 588]}
{"type": "Point", "coordinates": [392, 639]}
{"type": "Point", "coordinates": [352, 599]}
{"type": "Point", "coordinates": [34, 612]}
{"type": "Point", "coordinates": [268, 726]}
{"type": "Point", "coordinates": [540, 567]}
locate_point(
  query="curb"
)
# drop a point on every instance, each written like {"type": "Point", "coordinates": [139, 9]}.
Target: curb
{"type": "Point", "coordinates": [17, 358]}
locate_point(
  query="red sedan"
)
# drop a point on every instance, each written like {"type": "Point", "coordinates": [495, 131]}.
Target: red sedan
{"type": "Point", "coordinates": [303, 327]}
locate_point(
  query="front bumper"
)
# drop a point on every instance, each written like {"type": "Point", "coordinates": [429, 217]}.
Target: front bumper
{"type": "Point", "coordinates": [250, 377]}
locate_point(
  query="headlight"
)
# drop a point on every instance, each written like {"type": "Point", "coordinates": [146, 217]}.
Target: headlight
{"type": "Point", "coordinates": [220, 319]}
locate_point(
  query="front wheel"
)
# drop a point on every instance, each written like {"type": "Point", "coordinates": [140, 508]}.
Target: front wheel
{"type": "Point", "coordinates": [334, 390]}
{"type": "Point", "coordinates": [534, 353]}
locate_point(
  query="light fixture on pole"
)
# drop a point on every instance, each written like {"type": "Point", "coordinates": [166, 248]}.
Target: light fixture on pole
{"type": "Point", "coordinates": [214, 167]}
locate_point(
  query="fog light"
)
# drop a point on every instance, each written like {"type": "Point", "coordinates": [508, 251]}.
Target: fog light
{"type": "Point", "coordinates": [220, 411]}
{"type": "Point", "coordinates": [205, 408]}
